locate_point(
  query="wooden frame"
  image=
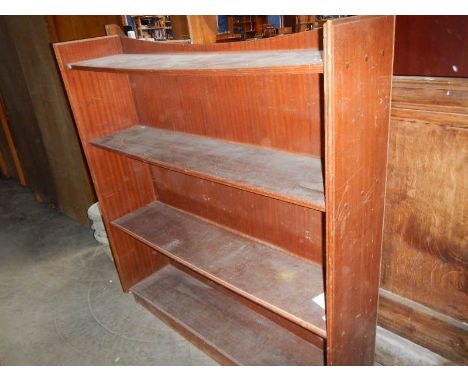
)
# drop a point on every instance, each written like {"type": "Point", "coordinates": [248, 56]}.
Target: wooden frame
{"type": "Point", "coordinates": [202, 181]}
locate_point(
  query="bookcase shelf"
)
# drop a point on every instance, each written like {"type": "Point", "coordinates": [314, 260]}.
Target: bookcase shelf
{"type": "Point", "coordinates": [232, 333]}
{"type": "Point", "coordinates": [293, 61]}
{"type": "Point", "coordinates": [269, 276]}
{"type": "Point", "coordinates": [242, 184]}
{"type": "Point", "coordinates": [286, 176]}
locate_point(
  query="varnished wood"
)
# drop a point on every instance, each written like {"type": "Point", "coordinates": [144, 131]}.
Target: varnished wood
{"type": "Point", "coordinates": [424, 253]}
{"type": "Point", "coordinates": [283, 111]}
{"type": "Point", "coordinates": [121, 184]}
{"type": "Point", "coordinates": [293, 178]}
{"type": "Point", "coordinates": [265, 274]}
{"type": "Point", "coordinates": [294, 328]}
{"type": "Point", "coordinates": [290, 61]}
{"type": "Point", "coordinates": [438, 332]}
{"type": "Point", "coordinates": [433, 94]}
{"type": "Point", "coordinates": [292, 227]}
{"type": "Point", "coordinates": [358, 69]}
{"type": "Point", "coordinates": [202, 29]}
{"type": "Point", "coordinates": [230, 332]}
{"type": "Point", "coordinates": [433, 45]}
{"type": "Point", "coordinates": [262, 251]}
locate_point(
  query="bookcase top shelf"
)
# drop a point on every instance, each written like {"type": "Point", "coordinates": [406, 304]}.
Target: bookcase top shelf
{"type": "Point", "coordinates": [265, 274]}
{"type": "Point", "coordinates": [285, 176]}
{"type": "Point", "coordinates": [242, 62]}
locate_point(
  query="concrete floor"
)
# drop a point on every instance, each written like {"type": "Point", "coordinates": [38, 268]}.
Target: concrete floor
{"type": "Point", "coordinates": [60, 298]}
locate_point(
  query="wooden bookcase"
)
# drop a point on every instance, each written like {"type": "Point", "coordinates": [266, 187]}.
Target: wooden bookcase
{"type": "Point", "coordinates": [239, 182]}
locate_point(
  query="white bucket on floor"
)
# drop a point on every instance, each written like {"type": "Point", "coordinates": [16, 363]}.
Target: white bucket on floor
{"type": "Point", "coordinates": [98, 227]}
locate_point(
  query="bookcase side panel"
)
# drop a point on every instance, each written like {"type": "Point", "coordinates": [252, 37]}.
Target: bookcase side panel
{"type": "Point", "coordinates": [102, 103]}
{"type": "Point", "coordinates": [358, 72]}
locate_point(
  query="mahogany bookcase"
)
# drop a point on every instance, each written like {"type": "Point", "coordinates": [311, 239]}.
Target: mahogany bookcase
{"type": "Point", "coordinates": [242, 184]}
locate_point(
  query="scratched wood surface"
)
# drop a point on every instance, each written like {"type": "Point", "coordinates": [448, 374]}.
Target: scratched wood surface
{"type": "Point", "coordinates": [289, 177]}
{"type": "Point", "coordinates": [358, 71]}
{"type": "Point", "coordinates": [102, 103]}
{"type": "Point", "coordinates": [267, 275]}
{"type": "Point", "coordinates": [227, 330]}
{"type": "Point", "coordinates": [291, 61]}
{"type": "Point", "coordinates": [283, 111]}
{"type": "Point", "coordinates": [292, 227]}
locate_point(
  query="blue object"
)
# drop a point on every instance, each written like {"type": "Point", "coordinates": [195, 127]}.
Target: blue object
{"type": "Point", "coordinates": [222, 24]}
{"type": "Point", "coordinates": [275, 21]}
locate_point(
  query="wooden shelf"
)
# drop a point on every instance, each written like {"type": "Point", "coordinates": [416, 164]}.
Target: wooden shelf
{"type": "Point", "coordinates": [265, 274]}
{"type": "Point", "coordinates": [290, 177]}
{"type": "Point", "coordinates": [300, 61]}
{"type": "Point", "coordinates": [227, 330]}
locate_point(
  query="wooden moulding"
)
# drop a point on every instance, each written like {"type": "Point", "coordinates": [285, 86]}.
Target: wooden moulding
{"type": "Point", "coordinates": [227, 330]}
{"type": "Point", "coordinates": [438, 332]}
{"type": "Point", "coordinates": [267, 275]}
{"type": "Point", "coordinates": [284, 176]}
{"type": "Point", "coordinates": [358, 74]}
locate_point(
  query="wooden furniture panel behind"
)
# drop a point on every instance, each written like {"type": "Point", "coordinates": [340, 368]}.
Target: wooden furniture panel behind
{"type": "Point", "coordinates": [425, 223]}
{"type": "Point", "coordinates": [295, 228]}
{"type": "Point", "coordinates": [103, 103]}
{"type": "Point", "coordinates": [357, 90]}
{"type": "Point", "coordinates": [424, 264]}
{"type": "Point", "coordinates": [431, 46]}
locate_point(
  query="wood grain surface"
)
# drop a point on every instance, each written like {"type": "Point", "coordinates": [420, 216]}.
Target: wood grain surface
{"type": "Point", "coordinates": [208, 63]}
{"type": "Point", "coordinates": [102, 103]}
{"type": "Point", "coordinates": [292, 227]}
{"type": "Point", "coordinates": [267, 275]}
{"type": "Point", "coordinates": [284, 176]}
{"type": "Point", "coordinates": [225, 329]}
{"type": "Point", "coordinates": [358, 73]}
{"type": "Point", "coordinates": [425, 251]}
{"type": "Point", "coordinates": [283, 111]}
{"type": "Point", "coordinates": [435, 331]}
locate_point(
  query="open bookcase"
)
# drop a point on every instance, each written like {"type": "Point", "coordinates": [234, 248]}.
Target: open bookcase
{"type": "Point", "coordinates": [242, 183]}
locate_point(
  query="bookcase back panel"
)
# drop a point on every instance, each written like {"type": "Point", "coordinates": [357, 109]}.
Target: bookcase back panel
{"type": "Point", "coordinates": [294, 228]}
{"type": "Point", "coordinates": [281, 111]}
{"type": "Point", "coordinates": [304, 40]}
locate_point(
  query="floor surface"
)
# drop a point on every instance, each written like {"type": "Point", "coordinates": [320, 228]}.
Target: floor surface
{"type": "Point", "coordinates": [60, 298]}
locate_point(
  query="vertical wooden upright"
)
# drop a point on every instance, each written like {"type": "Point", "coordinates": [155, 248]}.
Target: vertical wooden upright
{"type": "Point", "coordinates": [103, 103]}
{"type": "Point", "coordinates": [358, 71]}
